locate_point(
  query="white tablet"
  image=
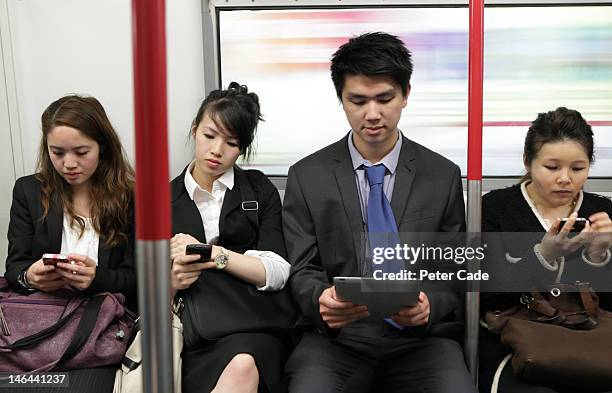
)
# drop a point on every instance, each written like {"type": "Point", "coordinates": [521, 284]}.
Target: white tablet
{"type": "Point", "coordinates": [383, 297]}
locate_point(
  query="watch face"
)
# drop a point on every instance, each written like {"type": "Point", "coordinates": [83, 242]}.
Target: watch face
{"type": "Point", "coordinates": [221, 261]}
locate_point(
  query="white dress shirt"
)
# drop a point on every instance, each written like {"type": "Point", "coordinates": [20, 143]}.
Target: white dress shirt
{"type": "Point", "coordinates": [363, 186]}
{"type": "Point", "coordinates": [209, 205]}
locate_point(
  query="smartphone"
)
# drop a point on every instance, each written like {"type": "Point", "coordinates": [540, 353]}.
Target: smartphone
{"type": "Point", "coordinates": [53, 259]}
{"type": "Point", "coordinates": [205, 251]}
{"type": "Point", "coordinates": [579, 224]}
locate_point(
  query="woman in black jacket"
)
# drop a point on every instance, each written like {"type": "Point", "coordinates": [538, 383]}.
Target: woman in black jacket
{"type": "Point", "coordinates": [78, 203]}
{"type": "Point", "coordinates": [557, 156]}
{"type": "Point", "coordinates": [235, 317]}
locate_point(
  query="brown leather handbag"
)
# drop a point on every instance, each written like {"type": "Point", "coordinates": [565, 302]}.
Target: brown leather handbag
{"type": "Point", "coordinates": [558, 339]}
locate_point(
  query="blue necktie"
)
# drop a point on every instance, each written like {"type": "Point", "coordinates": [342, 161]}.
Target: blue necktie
{"type": "Point", "coordinates": [380, 216]}
{"type": "Point", "coordinates": [382, 229]}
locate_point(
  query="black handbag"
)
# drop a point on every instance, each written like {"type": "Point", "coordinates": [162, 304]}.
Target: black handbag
{"type": "Point", "coordinates": [241, 307]}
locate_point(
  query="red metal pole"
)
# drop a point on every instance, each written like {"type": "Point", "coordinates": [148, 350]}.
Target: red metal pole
{"type": "Point", "coordinates": [474, 179]}
{"type": "Point", "coordinates": [475, 90]}
{"type": "Point", "coordinates": [152, 194]}
{"type": "Point", "coordinates": [152, 190]}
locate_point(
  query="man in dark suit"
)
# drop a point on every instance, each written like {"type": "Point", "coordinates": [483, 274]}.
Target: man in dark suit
{"type": "Point", "coordinates": [325, 214]}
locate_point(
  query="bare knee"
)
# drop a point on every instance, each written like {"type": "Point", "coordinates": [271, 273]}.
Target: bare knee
{"type": "Point", "coordinates": [243, 369]}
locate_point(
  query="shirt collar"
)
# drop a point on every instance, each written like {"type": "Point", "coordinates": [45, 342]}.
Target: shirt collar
{"type": "Point", "coordinates": [225, 181]}
{"type": "Point", "coordinates": [389, 161]}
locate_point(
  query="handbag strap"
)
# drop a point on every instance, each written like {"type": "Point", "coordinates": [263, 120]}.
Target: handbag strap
{"type": "Point", "coordinates": [576, 320]}
{"type": "Point", "coordinates": [83, 331]}
{"type": "Point", "coordinates": [586, 295]}
{"type": "Point", "coordinates": [539, 304]}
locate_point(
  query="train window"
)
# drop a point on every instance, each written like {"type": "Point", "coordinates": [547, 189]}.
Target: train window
{"type": "Point", "coordinates": [536, 58]}
{"type": "Point", "coordinates": [540, 58]}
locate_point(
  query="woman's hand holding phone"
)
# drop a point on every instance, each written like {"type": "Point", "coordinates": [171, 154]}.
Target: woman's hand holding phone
{"type": "Point", "coordinates": [79, 272]}
{"type": "Point", "coordinates": [186, 270]}
{"type": "Point", "coordinates": [556, 242]}
{"type": "Point", "coordinates": [600, 228]}
{"type": "Point", "coordinates": [179, 243]}
{"type": "Point", "coordinates": [43, 277]}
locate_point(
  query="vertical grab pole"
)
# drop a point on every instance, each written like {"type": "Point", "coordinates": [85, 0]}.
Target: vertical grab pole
{"type": "Point", "coordinates": [152, 193]}
{"type": "Point", "coordinates": [474, 180]}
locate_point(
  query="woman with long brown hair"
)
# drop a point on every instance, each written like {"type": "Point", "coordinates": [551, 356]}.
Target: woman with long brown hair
{"type": "Point", "coordinates": [80, 204]}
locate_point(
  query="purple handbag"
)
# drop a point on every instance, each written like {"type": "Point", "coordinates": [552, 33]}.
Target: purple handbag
{"type": "Point", "coordinates": [61, 330]}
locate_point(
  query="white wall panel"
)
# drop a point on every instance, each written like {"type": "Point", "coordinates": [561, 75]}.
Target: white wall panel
{"type": "Point", "coordinates": [85, 46]}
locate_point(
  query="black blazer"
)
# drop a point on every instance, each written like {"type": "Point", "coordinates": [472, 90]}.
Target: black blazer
{"type": "Point", "coordinates": [235, 231]}
{"type": "Point", "coordinates": [29, 238]}
{"type": "Point", "coordinates": [507, 211]}
{"type": "Point", "coordinates": [323, 224]}
{"type": "Point", "coordinates": [219, 304]}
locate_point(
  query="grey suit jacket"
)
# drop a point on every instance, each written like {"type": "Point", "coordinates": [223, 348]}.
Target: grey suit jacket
{"type": "Point", "coordinates": [323, 224]}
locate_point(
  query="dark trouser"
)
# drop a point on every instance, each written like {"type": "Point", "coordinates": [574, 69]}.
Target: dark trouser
{"type": "Point", "coordinates": [351, 363]}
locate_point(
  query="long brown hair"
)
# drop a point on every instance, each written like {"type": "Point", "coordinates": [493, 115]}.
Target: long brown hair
{"type": "Point", "coordinates": [111, 186]}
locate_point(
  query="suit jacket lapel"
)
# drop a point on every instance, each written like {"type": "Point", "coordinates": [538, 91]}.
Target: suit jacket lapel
{"type": "Point", "coordinates": [103, 254]}
{"type": "Point", "coordinates": [347, 187]}
{"type": "Point", "coordinates": [231, 201]}
{"type": "Point", "coordinates": [55, 223]}
{"type": "Point", "coordinates": [345, 178]}
{"type": "Point", "coordinates": [404, 176]}
{"type": "Point", "coordinates": [185, 215]}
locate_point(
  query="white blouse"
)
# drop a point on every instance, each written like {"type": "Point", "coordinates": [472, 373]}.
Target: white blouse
{"type": "Point", "coordinates": [209, 205]}
{"type": "Point", "coordinates": [86, 244]}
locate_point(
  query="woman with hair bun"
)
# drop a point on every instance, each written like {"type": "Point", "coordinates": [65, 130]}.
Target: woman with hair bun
{"type": "Point", "coordinates": [232, 291]}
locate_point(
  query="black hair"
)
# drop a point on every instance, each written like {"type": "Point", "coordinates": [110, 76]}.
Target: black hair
{"type": "Point", "coordinates": [372, 54]}
{"type": "Point", "coordinates": [236, 110]}
{"type": "Point", "coordinates": [559, 125]}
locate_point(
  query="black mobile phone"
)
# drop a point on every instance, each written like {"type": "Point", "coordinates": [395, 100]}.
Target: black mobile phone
{"type": "Point", "coordinates": [579, 224]}
{"type": "Point", "coordinates": [205, 251]}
